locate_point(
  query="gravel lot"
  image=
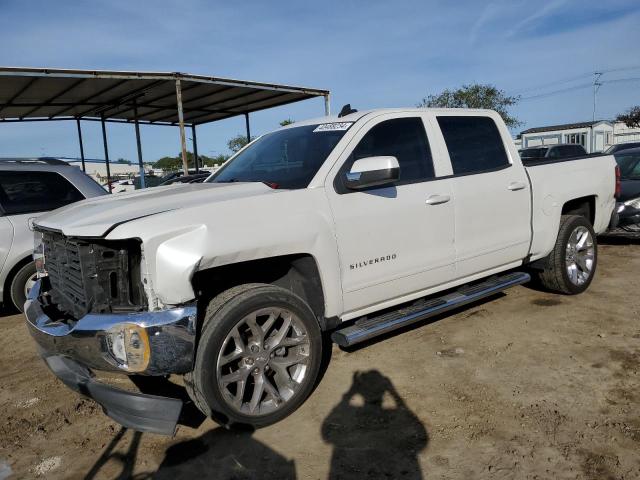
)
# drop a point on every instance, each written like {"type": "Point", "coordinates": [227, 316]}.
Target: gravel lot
{"type": "Point", "coordinates": [527, 385]}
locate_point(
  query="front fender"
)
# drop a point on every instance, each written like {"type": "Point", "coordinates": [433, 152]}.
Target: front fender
{"type": "Point", "coordinates": [288, 223]}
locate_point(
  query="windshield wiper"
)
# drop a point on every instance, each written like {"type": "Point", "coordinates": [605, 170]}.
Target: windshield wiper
{"type": "Point", "coordinates": [231, 180]}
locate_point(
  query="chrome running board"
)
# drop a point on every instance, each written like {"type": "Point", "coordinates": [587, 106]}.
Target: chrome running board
{"type": "Point", "coordinates": [369, 327]}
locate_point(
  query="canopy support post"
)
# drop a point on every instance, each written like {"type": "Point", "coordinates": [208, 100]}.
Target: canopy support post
{"type": "Point", "coordinates": [327, 105]}
{"type": "Point", "coordinates": [183, 138]}
{"type": "Point", "coordinates": [84, 169]}
{"type": "Point", "coordinates": [248, 126]}
{"type": "Point", "coordinates": [138, 144]}
{"type": "Point", "coordinates": [106, 150]}
{"type": "Point", "coordinates": [194, 139]}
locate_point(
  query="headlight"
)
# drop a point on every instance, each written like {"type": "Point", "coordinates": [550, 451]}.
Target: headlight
{"type": "Point", "coordinates": [129, 346]}
{"type": "Point", "coordinates": [38, 254]}
{"type": "Point", "coordinates": [633, 203]}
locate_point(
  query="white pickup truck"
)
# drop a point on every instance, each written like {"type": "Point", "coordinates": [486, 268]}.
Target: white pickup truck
{"type": "Point", "coordinates": [353, 225]}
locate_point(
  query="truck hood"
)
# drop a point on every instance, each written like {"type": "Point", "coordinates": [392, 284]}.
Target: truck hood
{"type": "Point", "coordinates": [95, 217]}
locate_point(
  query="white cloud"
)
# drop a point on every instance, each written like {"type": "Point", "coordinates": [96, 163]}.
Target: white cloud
{"type": "Point", "coordinates": [538, 14]}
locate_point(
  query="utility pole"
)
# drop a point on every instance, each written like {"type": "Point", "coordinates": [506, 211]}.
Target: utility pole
{"type": "Point", "coordinates": [183, 137]}
{"type": "Point", "coordinates": [596, 86]}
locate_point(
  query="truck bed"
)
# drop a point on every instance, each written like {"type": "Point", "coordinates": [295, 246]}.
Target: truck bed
{"type": "Point", "coordinates": [556, 182]}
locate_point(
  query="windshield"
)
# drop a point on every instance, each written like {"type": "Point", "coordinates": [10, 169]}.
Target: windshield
{"type": "Point", "coordinates": [629, 166]}
{"type": "Point", "coordinates": [533, 153]}
{"type": "Point", "coordinates": [286, 158]}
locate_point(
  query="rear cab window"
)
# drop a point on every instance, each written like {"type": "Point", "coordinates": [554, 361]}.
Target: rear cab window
{"type": "Point", "coordinates": [474, 144]}
{"type": "Point", "coordinates": [35, 191]}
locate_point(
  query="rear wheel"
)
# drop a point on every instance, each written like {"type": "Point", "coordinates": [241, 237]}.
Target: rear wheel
{"type": "Point", "coordinates": [258, 357]}
{"type": "Point", "coordinates": [21, 284]}
{"type": "Point", "coordinates": [572, 263]}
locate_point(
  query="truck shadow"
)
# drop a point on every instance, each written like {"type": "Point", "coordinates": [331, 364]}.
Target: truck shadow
{"type": "Point", "coordinates": [224, 454]}
{"type": "Point", "coordinates": [6, 311]}
{"type": "Point", "coordinates": [619, 239]}
{"type": "Point", "coordinates": [373, 432]}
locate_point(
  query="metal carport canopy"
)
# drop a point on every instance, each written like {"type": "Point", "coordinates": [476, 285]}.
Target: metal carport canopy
{"type": "Point", "coordinates": [154, 98]}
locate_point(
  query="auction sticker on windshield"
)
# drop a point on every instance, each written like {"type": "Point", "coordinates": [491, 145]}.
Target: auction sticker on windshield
{"type": "Point", "coordinates": [331, 127]}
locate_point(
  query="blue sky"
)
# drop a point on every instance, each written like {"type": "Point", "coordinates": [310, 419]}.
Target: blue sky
{"type": "Point", "coordinates": [369, 53]}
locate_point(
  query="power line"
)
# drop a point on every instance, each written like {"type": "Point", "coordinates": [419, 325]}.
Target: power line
{"type": "Point", "coordinates": [575, 78]}
{"type": "Point", "coordinates": [554, 83]}
{"type": "Point", "coordinates": [555, 92]}
{"type": "Point", "coordinates": [580, 87]}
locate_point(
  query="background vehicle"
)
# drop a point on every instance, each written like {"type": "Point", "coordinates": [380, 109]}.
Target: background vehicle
{"type": "Point", "coordinates": [120, 186]}
{"type": "Point", "coordinates": [29, 187]}
{"type": "Point", "coordinates": [629, 199]}
{"type": "Point", "coordinates": [150, 180]}
{"type": "Point", "coordinates": [551, 152]}
{"type": "Point", "coordinates": [357, 225]}
{"type": "Point", "coordinates": [621, 146]}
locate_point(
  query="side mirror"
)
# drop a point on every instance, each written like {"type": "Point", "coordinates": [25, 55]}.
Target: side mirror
{"type": "Point", "coordinates": [372, 171]}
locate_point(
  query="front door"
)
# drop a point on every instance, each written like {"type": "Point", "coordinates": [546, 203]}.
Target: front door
{"type": "Point", "coordinates": [394, 240]}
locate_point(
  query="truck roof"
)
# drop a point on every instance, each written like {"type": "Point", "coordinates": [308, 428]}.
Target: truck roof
{"type": "Point", "coordinates": [353, 117]}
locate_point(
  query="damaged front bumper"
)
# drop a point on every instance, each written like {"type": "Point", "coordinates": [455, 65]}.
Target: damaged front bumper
{"type": "Point", "coordinates": [149, 343]}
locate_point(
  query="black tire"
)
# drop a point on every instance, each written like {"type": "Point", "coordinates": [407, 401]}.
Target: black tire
{"type": "Point", "coordinates": [555, 276]}
{"type": "Point", "coordinates": [223, 313]}
{"type": "Point", "coordinates": [17, 292]}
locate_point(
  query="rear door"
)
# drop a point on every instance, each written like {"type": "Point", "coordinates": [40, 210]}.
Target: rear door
{"type": "Point", "coordinates": [396, 240]}
{"type": "Point", "coordinates": [491, 192]}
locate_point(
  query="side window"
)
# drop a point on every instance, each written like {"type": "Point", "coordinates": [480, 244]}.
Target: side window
{"type": "Point", "coordinates": [403, 138]}
{"type": "Point", "coordinates": [575, 151]}
{"type": "Point", "coordinates": [33, 191]}
{"type": "Point", "coordinates": [556, 152]}
{"type": "Point", "coordinates": [474, 144]}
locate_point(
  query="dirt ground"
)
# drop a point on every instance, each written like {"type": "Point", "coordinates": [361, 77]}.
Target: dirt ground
{"type": "Point", "coordinates": [527, 385]}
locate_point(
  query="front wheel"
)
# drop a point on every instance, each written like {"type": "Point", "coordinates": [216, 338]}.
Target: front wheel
{"type": "Point", "coordinates": [572, 263]}
{"type": "Point", "coordinates": [258, 357]}
{"type": "Point", "coordinates": [22, 282]}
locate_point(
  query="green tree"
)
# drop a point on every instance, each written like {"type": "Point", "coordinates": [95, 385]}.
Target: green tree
{"type": "Point", "coordinates": [123, 160]}
{"type": "Point", "coordinates": [476, 96]}
{"type": "Point", "coordinates": [168, 163]}
{"type": "Point", "coordinates": [286, 121]}
{"type": "Point", "coordinates": [631, 118]}
{"type": "Point", "coordinates": [237, 142]}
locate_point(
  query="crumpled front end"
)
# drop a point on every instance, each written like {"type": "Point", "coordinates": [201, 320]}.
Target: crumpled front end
{"type": "Point", "coordinates": [90, 311]}
{"type": "Point", "coordinates": [151, 343]}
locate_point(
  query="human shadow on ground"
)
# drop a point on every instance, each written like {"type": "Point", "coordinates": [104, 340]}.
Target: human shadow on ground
{"type": "Point", "coordinates": [225, 454]}
{"type": "Point", "coordinates": [127, 459]}
{"type": "Point", "coordinates": [373, 432]}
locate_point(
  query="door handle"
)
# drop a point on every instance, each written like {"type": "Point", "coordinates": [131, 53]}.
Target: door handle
{"type": "Point", "coordinates": [437, 199]}
{"type": "Point", "coordinates": [513, 186]}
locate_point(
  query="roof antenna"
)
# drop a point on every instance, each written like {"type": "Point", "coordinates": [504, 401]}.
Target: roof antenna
{"type": "Point", "coordinates": [346, 110]}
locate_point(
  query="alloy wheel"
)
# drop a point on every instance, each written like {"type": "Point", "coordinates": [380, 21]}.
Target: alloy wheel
{"type": "Point", "coordinates": [580, 253]}
{"type": "Point", "coordinates": [263, 361]}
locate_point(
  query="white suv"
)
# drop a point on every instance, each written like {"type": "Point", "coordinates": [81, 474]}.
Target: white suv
{"type": "Point", "coordinates": [29, 187]}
